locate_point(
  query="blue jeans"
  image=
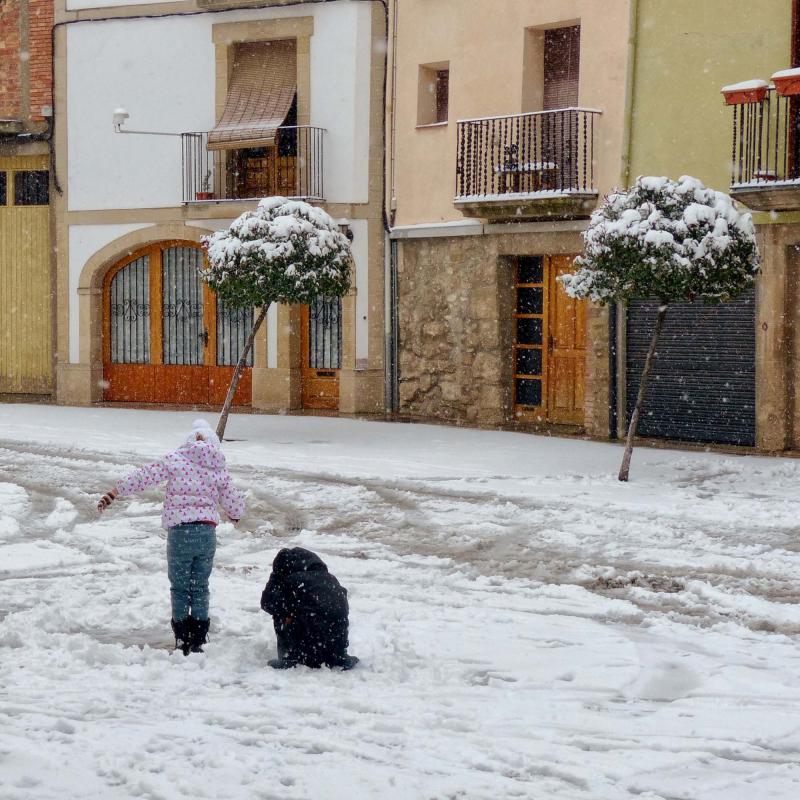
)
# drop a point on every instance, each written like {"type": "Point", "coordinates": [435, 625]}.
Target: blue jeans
{"type": "Point", "coordinates": [190, 556]}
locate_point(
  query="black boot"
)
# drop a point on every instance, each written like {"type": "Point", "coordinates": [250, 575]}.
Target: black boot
{"type": "Point", "coordinates": [198, 632]}
{"type": "Point", "coordinates": [343, 662]}
{"type": "Point", "coordinates": [183, 635]}
{"type": "Point", "coordinates": [283, 663]}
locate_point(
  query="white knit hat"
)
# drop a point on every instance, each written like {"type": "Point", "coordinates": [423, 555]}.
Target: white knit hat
{"type": "Point", "coordinates": [201, 429]}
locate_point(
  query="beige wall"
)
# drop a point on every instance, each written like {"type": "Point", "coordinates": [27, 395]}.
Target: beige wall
{"type": "Point", "coordinates": [485, 45]}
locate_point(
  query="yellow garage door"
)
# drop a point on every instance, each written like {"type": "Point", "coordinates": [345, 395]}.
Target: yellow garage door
{"type": "Point", "coordinates": [25, 324]}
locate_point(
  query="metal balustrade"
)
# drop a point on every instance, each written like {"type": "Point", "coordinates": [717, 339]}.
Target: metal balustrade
{"type": "Point", "coordinates": [766, 142]}
{"type": "Point", "coordinates": [291, 167]}
{"type": "Point", "coordinates": [549, 152]}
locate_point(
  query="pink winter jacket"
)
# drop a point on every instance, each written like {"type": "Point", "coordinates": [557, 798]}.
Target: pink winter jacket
{"type": "Point", "coordinates": [197, 480]}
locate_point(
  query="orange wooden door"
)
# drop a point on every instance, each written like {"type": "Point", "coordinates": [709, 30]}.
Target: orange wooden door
{"type": "Point", "coordinates": [166, 339]}
{"type": "Point", "coordinates": [321, 341]}
{"type": "Point", "coordinates": [566, 344]}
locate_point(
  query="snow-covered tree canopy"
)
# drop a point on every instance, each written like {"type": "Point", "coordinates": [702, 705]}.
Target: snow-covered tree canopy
{"type": "Point", "coordinates": [285, 251]}
{"type": "Point", "coordinates": [671, 240]}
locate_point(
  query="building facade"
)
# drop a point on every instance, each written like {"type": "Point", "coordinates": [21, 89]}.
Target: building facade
{"type": "Point", "coordinates": [713, 378]}
{"type": "Point", "coordinates": [507, 129]}
{"type": "Point", "coordinates": [26, 331]}
{"type": "Point", "coordinates": [173, 119]}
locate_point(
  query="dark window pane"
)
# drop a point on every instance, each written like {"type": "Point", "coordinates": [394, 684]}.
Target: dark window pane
{"type": "Point", "coordinates": [529, 331]}
{"type": "Point", "coordinates": [530, 269]}
{"type": "Point", "coordinates": [442, 94]}
{"type": "Point", "coordinates": [529, 393]}
{"type": "Point", "coordinates": [530, 301]}
{"type": "Point", "coordinates": [31, 188]}
{"type": "Point", "coordinates": [529, 362]}
{"type": "Point", "coordinates": [3, 185]}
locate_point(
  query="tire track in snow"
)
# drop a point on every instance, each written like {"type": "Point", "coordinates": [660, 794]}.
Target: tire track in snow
{"type": "Point", "coordinates": [545, 540]}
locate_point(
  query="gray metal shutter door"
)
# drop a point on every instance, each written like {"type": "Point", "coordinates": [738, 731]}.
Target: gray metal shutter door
{"type": "Point", "coordinates": [702, 387]}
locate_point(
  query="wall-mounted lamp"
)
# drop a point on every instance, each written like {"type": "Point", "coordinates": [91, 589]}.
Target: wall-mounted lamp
{"type": "Point", "coordinates": [344, 227]}
{"type": "Point", "coordinates": [120, 115]}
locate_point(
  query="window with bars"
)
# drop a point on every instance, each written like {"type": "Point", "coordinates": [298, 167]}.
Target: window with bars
{"type": "Point", "coordinates": [325, 333]}
{"type": "Point", "coordinates": [129, 312]}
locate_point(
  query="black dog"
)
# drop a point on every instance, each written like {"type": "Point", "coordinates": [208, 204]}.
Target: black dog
{"type": "Point", "coordinates": [309, 610]}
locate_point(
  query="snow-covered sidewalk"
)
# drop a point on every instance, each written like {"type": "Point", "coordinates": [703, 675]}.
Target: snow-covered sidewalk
{"type": "Point", "coordinates": [528, 627]}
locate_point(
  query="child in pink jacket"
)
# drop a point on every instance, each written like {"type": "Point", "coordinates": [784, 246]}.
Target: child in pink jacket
{"type": "Point", "coordinates": [197, 482]}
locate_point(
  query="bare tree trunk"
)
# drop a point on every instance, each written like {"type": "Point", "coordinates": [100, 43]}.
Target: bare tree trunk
{"type": "Point", "coordinates": [648, 363]}
{"type": "Point", "coordinates": [226, 408]}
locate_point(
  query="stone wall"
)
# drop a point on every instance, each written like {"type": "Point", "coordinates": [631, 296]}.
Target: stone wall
{"type": "Point", "coordinates": [452, 350]}
{"type": "Point", "coordinates": [456, 298]}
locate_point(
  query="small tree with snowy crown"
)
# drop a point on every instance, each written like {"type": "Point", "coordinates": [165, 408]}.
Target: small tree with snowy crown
{"type": "Point", "coordinates": [285, 251]}
{"type": "Point", "coordinates": [675, 241]}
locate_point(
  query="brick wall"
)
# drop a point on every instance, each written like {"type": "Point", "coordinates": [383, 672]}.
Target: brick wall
{"type": "Point", "coordinates": [25, 55]}
{"type": "Point", "coordinates": [10, 87]}
{"type": "Point", "coordinates": [40, 24]}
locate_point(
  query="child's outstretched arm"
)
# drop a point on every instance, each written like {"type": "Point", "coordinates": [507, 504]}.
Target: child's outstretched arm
{"type": "Point", "coordinates": [231, 499]}
{"type": "Point", "coordinates": [137, 481]}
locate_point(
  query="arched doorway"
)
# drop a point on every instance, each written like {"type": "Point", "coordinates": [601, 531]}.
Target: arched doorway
{"type": "Point", "coordinates": [166, 336]}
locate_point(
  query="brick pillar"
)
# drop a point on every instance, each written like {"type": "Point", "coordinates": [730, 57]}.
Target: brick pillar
{"type": "Point", "coordinates": [40, 24]}
{"type": "Point", "coordinates": [10, 47]}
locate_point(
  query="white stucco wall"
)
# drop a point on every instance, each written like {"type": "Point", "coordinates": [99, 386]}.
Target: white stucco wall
{"type": "Point", "coordinates": [162, 71]}
{"type": "Point", "coordinates": [360, 249]}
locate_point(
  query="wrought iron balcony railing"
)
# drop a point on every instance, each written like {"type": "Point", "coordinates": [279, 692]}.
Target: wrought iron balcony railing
{"type": "Point", "coordinates": [543, 152]}
{"type": "Point", "coordinates": [766, 142]}
{"type": "Point", "coordinates": [291, 167]}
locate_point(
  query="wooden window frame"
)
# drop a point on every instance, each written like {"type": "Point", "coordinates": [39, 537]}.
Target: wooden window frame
{"type": "Point", "coordinates": [521, 410]}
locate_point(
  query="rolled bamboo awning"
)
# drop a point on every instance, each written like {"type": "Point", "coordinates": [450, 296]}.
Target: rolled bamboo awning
{"type": "Point", "coordinates": [262, 87]}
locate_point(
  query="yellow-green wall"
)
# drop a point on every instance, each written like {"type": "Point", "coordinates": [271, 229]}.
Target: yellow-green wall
{"type": "Point", "coordinates": [686, 50]}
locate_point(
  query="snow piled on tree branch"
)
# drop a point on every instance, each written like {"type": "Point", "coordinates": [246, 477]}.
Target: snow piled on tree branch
{"type": "Point", "coordinates": [284, 251]}
{"type": "Point", "coordinates": [673, 240]}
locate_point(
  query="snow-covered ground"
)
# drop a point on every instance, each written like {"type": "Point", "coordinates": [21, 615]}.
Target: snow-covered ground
{"type": "Point", "coordinates": [528, 627]}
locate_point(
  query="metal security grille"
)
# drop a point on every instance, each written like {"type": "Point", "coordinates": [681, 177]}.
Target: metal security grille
{"type": "Point", "coordinates": [185, 336]}
{"type": "Point", "coordinates": [702, 387]}
{"type": "Point", "coordinates": [325, 333]}
{"type": "Point", "coordinates": [233, 328]}
{"type": "Point", "coordinates": [130, 313]}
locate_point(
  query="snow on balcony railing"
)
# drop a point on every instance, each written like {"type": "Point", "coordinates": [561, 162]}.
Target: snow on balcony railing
{"type": "Point", "coordinates": [521, 155]}
{"type": "Point", "coordinates": [766, 138]}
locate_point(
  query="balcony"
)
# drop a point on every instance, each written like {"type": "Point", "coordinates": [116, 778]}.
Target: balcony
{"type": "Point", "coordinates": [766, 145]}
{"type": "Point", "coordinates": [290, 166]}
{"type": "Point", "coordinates": [536, 166]}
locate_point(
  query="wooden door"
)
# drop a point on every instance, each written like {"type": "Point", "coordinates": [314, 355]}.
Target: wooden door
{"type": "Point", "coordinates": [185, 333]}
{"type": "Point", "coordinates": [321, 343]}
{"type": "Point", "coordinates": [166, 338]}
{"type": "Point", "coordinates": [25, 284]}
{"type": "Point", "coordinates": [566, 344]}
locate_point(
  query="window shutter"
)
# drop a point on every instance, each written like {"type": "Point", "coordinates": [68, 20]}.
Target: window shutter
{"type": "Point", "coordinates": [561, 67]}
{"type": "Point", "coordinates": [260, 94]}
